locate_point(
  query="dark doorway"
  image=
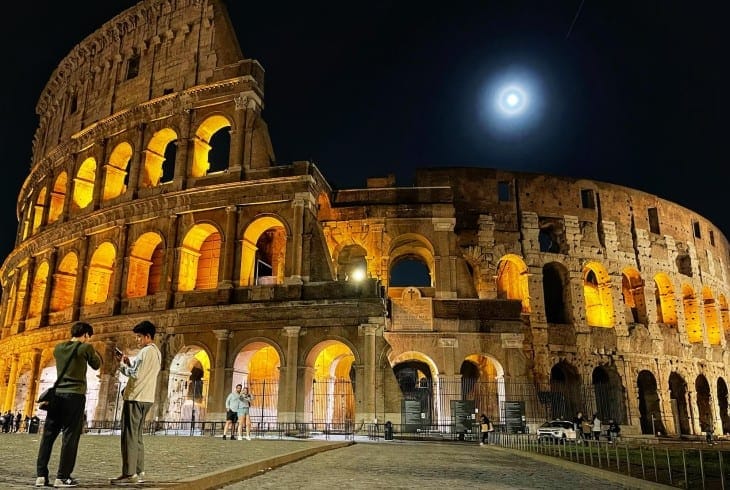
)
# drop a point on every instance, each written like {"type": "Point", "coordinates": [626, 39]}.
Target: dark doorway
{"type": "Point", "coordinates": [649, 409]}
{"type": "Point", "coordinates": [566, 389]}
{"type": "Point", "coordinates": [609, 393]}
{"type": "Point", "coordinates": [678, 397]}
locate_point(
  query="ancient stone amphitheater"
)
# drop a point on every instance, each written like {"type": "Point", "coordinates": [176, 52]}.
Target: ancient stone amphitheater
{"type": "Point", "coordinates": [154, 194]}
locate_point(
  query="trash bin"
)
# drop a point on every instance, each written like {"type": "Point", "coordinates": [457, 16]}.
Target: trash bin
{"type": "Point", "coordinates": [35, 423]}
{"type": "Point", "coordinates": [388, 431]}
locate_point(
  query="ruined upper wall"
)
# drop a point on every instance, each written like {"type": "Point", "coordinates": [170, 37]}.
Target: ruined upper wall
{"type": "Point", "coordinates": [172, 45]}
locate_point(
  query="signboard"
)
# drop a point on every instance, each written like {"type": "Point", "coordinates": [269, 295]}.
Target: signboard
{"type": "Point", "coordinates": [411, 415]}
{"type": "Point", "coordinates": [514, 416]}
{"type": "Point", "coordinates": [462, 415]}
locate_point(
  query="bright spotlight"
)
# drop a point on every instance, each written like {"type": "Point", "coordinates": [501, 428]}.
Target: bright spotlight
{"type": "Point", "coordinates": [357, 275]}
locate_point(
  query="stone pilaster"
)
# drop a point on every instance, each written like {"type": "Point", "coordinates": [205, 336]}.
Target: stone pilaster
{"type": "Point", "coordinates": [288, 387]}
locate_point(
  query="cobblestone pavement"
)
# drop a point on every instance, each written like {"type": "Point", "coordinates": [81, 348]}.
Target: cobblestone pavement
{"type": "Point", "coordinates": [392, 464]}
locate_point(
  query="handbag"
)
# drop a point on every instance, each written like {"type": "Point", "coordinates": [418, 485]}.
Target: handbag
{"type": "Point", "coordinates": [47, 399]}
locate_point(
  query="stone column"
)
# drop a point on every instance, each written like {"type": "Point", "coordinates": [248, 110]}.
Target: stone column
{"type": "Point", "coordinates": [167, 279]}
{"type": "Point", "coordinates": [444, 267]}
{"type": "Point", "coordinates": [121, 268]}
{"type": "Point", "coordinates": [217, 394]}
{"type": "Point", "coordinates": [12, 382]}
{"type": "Point", "coordinates": [288, 376]}
{"type": "Point", "coordinates": [238, 133]}
{"type": "Point", "coordinates": [229, 249]}
{"type": "Point", "coordinates": [81, 275]}
{"type": "Point", "coordinates": [448, 375]}
{"type": "Point", "coordinates": [109, 396]}
{"type": "Point", "coordinates": [136, 162]}
{"type": "Point", "coordinates": [46, 307]}
{"type": "Point", "coordinates": [30, 270]}
{"type": "Point", "coordinates": [68, 198]}
{"type": "Point", "coordinates": [368, 332]}
{"type": "Point", "coordinates": [99, 177]}
{"type": "Point", "coordinates": [294, 274]}
{"type": "Point", "coordinates": [35, 374]}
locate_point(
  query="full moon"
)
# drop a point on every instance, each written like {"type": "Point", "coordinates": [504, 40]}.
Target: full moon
{"type": "Point", "coordinates": [512, 100]}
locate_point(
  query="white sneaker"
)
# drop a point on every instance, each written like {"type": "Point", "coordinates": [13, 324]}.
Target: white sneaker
{"type": "Point", "coordinates": [240, 438]}
{"type": "Point", "coordinates": [41, 481]}
{"type": "Point", "coordinates": [481, 443]}
{"type": "Point", "coordinates": [140, 477]}
{"type": "Point", "coordinates": [248, 438]}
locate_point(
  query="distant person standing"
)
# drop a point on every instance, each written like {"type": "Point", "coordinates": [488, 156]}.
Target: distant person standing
{"type": "Point", "coordinates": [72, 358]}
{"type": "Point", "coordinates": [244, 418]}
{"type": "Point", "coordinates": [614, 429]}
{"type": "Point", "coordinates": [485, 425]}
{"type": "Point", "coordinates": [18, 418]}
{"type": "Point", "coordinates": [232, 402]}
{"type": "Point", "coordinates": [139, 395]}
{"type": "Point", "coordinates": [596, 427]}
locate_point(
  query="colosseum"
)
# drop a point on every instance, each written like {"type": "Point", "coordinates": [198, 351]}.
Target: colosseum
{"type": "Point", "coordinates": [154, 193]}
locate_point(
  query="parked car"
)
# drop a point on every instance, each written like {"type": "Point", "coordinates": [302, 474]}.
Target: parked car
{"type": "Point", "coordinates": [557, 431]}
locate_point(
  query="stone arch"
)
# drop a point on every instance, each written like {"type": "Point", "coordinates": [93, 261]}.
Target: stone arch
{"type": "Point", "coordinates": [724, 313]}
{"type": "Point", "coordinates": [332, 378]}
{"type": "Point", "coordinates": [650, 412]}
{"type": "Point", "coordinates": [99, 276]}
{"type": "Point", "coordinates": [58, 197]}
{"type": "Point", "coordinates": [64, 282]}
{"type": "Point", "coordinates": [565, 385]}
{"type": "Point", "coordinates": [187, 395]}
{"type": "Point", "coordinates": [40, 207]}
{"type": "Point", "coordinates": [116, 173]}
{"type": "Point", "coordinates": [512, 280]}
{"type": "Point", "coordinates": [632, 291]}
{"type": "Point", "coordinates": [200, 258]}
{"type": "Point", "coordinates": [556, 293]}
{"type": "Point", "coordinates": [722, 404]}
{"type": "Point", "coordinates": [352, 263]}
{"type": "Point", "coordinates": [206, 132]}
{"type": "Point", "coordinates": [38, 290]}
{"type": "Point", "coordinates": [597, 295]}
{"type": "Point", "coordinates": [664, 296]}
{"type": "Point", "coordinates": [692, 321]}
{"type": "Point", "coordinates": [703, 395]}
{"type": "Point", "coordinates": [156, 163]}
{"type": "Point", "coordinates": [712, 321]}
{"type": "Point", "coordinates": [417, 377]}
{"type": "Point", "coordinates": [678, 399]}
{"type": "Point", "coordinates": [482, 380]}
{"type": "Point", "coordinates": [144, 271]}
{"type": "Point", "coordinates": [609, 393]}
{"type": "Point", "coordinates": [412, 249]}
{"type": "Point", "coordinates": [257, 366]}
{"type": "Point", "coordinates": [263, 254]}
{"type": "Point", "coordinates": [84, 183]}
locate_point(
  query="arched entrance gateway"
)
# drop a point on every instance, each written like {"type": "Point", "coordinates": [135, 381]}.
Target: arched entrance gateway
{"type": "Point", "coordinates": [482, 380]}
{"type": "Point", "coordinates": [565, 387]}
{"type": "Point", "coordinates": [609, 394]}
{"type": "Point", "coordinates": [704, 407]}
{"type": "Point", "coordinates": [650, 414]}
{"type": "Point", "coordinates": [331, 398]}
{"type": "Point", "coordinates": [678, 399]}
{"type": "Point", "coordinates": [722, 405]}
{"type": "Point", "coordinates": [257, 366]}
{"type": "Point", "coordinates": [187, 395]}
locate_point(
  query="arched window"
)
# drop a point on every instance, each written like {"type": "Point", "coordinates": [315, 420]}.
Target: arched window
{"type": "Point", "coordinates": [263, 252]}
{"type": "Point", "coordinates": [692, 320]}
{"type": "Point", "coordinates": [145, 266]}
{"type": "Point", "coordinates": [159, 161]}
{"type": "Point", "coordinates": [101, 268]}
{"type": "Point", "coordinates": [512, 281]}
{"type": "Point", "coordinates": [115, 180]}
{"type": "Point", "coordinates": [712, 321]}
{"type": "Point", "coordinates": [597, 293]}
{"type": "Point", "coordinates": [64, 283]}
{"type": "Point", "coordinates": [199, 258]}
{"type": "Point", "coordinates": [58, 196]}
{"type": "Point", "coordinates": [38, 290]}
{"type": "Point", "coordinates": [556, 293]}
{"type": "Point", "coordinates": [211, 146]}
{"type": "Point", "coordinates": [666, 309]}
{"type": "Point", "coordinates": [40, 207]}
{"type": "Point", "coordinates": [84, 183]}
{"type": "Point", "coordinates": [632, 291]}
{"type": "Point", "coordinates": [351, 263]}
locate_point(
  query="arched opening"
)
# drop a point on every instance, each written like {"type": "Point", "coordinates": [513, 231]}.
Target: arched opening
{"type": "Point", "coordinates": [724, 314]}
{"type": "Point", "coordinates": [64, 283]}
{"type": "Point", "coordinates": [101, 268]}
{"type": "Point", "coordinates": [40, 206]}
{"type": "Point", "coordinates": [609, 394]}
{"type": "Point", "coordinates": [597, 294]}
{"type": "Point", "coordinates": [556, 293]}
{"type": "Point", "coordinates": [263, 254]}
{"type": "Point", "coordinates": [482, 380]}
{"type": "Point", "coordinates": [19, 299]}
{"type": "Point", "coordinates": [257, 366]}
{"type": "Point", "coordinates": [632, 291]}
{"type": "Point", "coordinates": [333, 379]}
{"type": "Point", "coordinates": [84, 183]}
{"type": "Point", "coordinates": [411, 262]}
{"type": "Point", "coordinates": [691, 315]}
{"type": "Point", "coordinates": [211, 146]}
{"type": "Point", "coordinates": [512, 281]}
{"type": "Point", "coordinates": [351, 263]}
{"type": "Point", "coordinates": [703, 396]}
{"type": "Point", "coordinates": [722, 405]}
{"type": "Point", "coordinates": [187, 389]}
{"type": "Point", "coordinates": [58, 196]}
{"type": "Point", "coordinates": [116, 175]}
{"type": "Point", "coordinates": [410, 271]}
{"type": "Point", "coordinates": [678, 399]}
{"type": "Point", "coordinates": [650, 414]}
{"type": "Point", "coordinates": [417, 390]}
{"type": "Point", "coordinates": [199, 258]}
{"type": "Point", "coordinates": [712, 321]}
{"type": "Point", "coordinates": [159, 158]}
{"type": "Point", "coordinates": [565, 385]}
{"type": "Point", "coordinates": [38, 290]}
{"type": "Point", "coordinates": [145, 266]}
{"type": "Point", "coordinates": [664, 294]}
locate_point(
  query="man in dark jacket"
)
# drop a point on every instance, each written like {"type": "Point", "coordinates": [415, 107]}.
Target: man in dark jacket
{"type": "Point", "coordinates": [67, 414]}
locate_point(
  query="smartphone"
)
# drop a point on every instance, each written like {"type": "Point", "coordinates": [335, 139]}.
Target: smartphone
{"type": "Point", "coordinates": [118, 352]}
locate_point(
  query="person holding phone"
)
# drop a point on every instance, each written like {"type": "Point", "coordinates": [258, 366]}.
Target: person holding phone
{"type": "Point", "coordinates": [244, 419]}
{"type": "Point", "coordinates": [139, 395]}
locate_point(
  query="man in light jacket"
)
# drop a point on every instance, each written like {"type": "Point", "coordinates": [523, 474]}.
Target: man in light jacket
{"type": "Point", "coordinates": [139, 395]}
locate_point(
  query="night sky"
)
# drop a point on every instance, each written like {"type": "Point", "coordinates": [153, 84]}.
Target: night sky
{"type": "Point", "coordinates": [629, 92]}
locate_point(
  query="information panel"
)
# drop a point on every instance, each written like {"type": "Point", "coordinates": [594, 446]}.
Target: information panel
{"type": "Point", "coordinates": [411, 415]}
{"type": "Point", "coordinates": [462, 415]}
{"type": "Point", "coordinates": [514, 416]}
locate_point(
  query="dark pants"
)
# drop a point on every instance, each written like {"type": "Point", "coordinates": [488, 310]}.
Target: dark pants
{"type": "Point", "coordinates": [66, 417]}
{"type": "Point", "coordinates": [133, 417]}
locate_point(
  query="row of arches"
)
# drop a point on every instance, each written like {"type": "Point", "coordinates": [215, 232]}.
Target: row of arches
{"type": "Point", "coordinates": [210, 148]}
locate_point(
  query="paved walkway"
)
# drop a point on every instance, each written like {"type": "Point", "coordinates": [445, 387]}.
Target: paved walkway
{"type": "Point", "coordinates": [206, 462]}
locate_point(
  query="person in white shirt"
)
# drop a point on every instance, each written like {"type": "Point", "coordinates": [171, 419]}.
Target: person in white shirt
{"type": "Point", "coordinates": [139, 395]}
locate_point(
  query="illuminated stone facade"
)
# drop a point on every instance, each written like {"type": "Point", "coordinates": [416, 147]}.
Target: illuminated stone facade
{"type": "Point", "coordinates": [154, 194]}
